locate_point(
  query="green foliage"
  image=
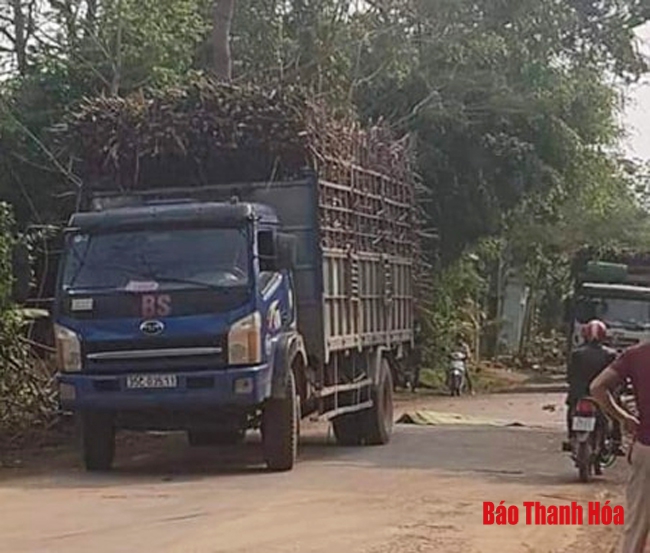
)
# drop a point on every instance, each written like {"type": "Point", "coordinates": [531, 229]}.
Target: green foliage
{"type": "Point", "coordinates": [505, 96]}
{"type": "Point", "coordinates": [27, 387]}
{"type": "Point", "coordinates": [458, 304]}
{"type": "Point", "coordinates": [302, 41]}
{"type": "Point", "coordinates": [125, 45]}
{"type": "Point", "coordinates": [7, 242]}
{"type": "Point", "coordinates": [512, 102]}
{"type": "Point", "coordinates": [27, 392]}
{"type": "Point", "coordinates": [149, 42]}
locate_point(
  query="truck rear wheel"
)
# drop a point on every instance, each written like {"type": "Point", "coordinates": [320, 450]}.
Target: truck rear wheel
{"type": "Point", "coordinates": [97, 441]}
{"type": "Point", "coordinates": [348, 429]}
{"type": "Point", "coordinates": [280, 429]}
{"type": "Point", "coordinates": [372, 426]}
{"type": "Point", "coordinates": [378, 425]}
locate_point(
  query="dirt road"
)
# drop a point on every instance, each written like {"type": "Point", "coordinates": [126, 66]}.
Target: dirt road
{"type": "Point", "coordinates": [422, 493]}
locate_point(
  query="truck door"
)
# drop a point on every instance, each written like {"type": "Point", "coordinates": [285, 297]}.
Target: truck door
{"type": "Point", "coordinates": [275, 286]}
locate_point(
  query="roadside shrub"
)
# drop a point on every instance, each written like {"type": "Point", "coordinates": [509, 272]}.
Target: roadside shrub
{"type": "Point", "coordinates": [27, 391]}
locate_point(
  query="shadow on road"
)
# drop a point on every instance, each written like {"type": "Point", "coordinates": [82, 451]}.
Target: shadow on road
{"type": "Point", "coordinates": [528, 456]}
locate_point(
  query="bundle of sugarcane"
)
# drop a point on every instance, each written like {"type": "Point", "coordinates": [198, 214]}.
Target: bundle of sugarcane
{"type": "Point", "coordinates": [119, 137]}
{"type": "Point", "coordinates": [212, 132]}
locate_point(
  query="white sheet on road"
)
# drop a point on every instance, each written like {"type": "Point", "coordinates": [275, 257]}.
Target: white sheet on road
{"type": "Point", "coordinates": [439, 418]}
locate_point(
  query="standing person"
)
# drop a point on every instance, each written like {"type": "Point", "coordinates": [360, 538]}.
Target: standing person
{"type": "Point", "coordinates": [463, 347]}
{"type": "Point", "coordinates": [635, 365]}
{"type": "Point", "coordinates": [587, 362]}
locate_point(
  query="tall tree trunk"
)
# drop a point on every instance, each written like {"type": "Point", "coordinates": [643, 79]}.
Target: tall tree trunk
{"type": "Point", "coordinates": [20, 35]}
{"type": "Point", "coordinates": [91, 17]}
{"type": "Point", "coordinates": [221, 62]}
{"type": "Point", "coordinates": [116, 80]}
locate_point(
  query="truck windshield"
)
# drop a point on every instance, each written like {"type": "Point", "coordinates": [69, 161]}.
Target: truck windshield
{"type": "Point", "coordinates": [134, 260]}
{"type": "Point", "coordinates": [621, 312]}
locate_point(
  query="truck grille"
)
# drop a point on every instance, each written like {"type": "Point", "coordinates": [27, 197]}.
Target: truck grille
{"type": "Point", "coordinates": [145, 355]}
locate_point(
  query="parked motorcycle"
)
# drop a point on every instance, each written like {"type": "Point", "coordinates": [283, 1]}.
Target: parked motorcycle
{"type": "Point", "coordinates": [592, 446]}
{"type": "Point", "coordinates": [456, 373]}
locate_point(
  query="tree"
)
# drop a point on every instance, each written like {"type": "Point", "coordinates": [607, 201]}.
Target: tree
{"type": "Point", "coordinates": [17, 27]}
{"type": "Point", "coordinates": [84, 48]}
{"type": "Point", "coordinates": [504, 96]}
{"type": "Point", "coordinates": [221, 66]}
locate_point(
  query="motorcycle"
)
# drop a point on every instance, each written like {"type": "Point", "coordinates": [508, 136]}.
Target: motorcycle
{"type": "Point", "coordinates": [592, 446]}
{"type": "Point", "coordinates": [456, 373]}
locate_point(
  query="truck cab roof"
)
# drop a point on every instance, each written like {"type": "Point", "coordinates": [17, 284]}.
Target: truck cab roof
{"type": "Point", "coordinates": [209, 214]}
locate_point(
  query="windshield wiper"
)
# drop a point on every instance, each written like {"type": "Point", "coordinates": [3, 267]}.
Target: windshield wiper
{"type": "Point", "coordinates": [197, 283]}
{"type": "Point", "coordinates": [189, 281]}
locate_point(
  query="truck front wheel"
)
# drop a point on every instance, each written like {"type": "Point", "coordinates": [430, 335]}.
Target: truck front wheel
{"type": "Point", "coordinates": [97, 441]}
{"type": "Point", "coordinates": [280, 423]}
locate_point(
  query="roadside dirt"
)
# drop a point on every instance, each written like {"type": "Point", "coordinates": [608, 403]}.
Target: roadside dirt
{"type": "Point", "coordinates": [422, 493]}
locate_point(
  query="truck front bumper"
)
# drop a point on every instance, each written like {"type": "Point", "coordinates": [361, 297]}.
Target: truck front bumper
{"type": "Point", "coordinates": [237, 388]}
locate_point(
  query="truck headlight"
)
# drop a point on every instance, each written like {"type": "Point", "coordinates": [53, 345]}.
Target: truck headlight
{"type": "Point", "coordinates": [244, 341]}
{"type": "Point", "coordinates": [68, 349]}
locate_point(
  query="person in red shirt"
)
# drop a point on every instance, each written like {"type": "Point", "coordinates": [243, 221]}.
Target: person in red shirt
{"type": "Point", "coordinates": [633, 364]}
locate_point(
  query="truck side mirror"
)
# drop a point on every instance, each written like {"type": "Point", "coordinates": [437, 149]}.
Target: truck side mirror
{"type": "Point", "coordinates": [286, 251]}
{"type": "Point", "coordinates": [22, 274]}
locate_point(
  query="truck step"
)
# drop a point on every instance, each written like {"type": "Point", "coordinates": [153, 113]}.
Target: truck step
{"type": "Point", "coordinates": [331, 390]}
{"type": "Point", "coordinates": [342, 411]}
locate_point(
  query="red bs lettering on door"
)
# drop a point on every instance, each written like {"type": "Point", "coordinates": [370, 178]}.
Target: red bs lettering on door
{"type": "Point", "coordinates": [156, 306]}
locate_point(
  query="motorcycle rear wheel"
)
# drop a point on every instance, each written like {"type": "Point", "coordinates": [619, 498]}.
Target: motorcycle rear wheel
{"type": "Point", "coordinates": [583, 460]}
{"type": "Point", "coordinates": [455, 385]}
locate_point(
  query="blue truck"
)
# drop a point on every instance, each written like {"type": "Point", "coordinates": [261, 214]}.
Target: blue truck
{"type": "Point", "coordinates": [219, 309]}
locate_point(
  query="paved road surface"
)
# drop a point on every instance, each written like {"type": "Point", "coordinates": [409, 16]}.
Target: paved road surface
{"type": "Point", "coordinates": [421, 493]}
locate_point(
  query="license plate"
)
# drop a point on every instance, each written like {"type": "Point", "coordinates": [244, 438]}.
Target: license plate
{"type": "Point", "coordinates": [584, 424]}
{"type": "Point", "coordinates": [151, 381]}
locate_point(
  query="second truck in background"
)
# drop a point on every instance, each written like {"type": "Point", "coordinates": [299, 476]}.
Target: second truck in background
{"type": "Point", "coordinates": [614, 287]}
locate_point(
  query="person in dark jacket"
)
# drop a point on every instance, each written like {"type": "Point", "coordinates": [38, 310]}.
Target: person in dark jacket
{"type": "Point", "coordinates": [586, 363]}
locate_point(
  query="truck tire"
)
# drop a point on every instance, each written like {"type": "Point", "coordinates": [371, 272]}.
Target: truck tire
{"type": "Point", "coordinates": [348, 429]}
{"type": "Point", "coordinates": [378, 425]}
{"type": "Point", "coordinates": [97, 441]}
{"type": "Point", "coordinates": [280, 428]}
{"type": "Point", "coordinates": [207, 438]}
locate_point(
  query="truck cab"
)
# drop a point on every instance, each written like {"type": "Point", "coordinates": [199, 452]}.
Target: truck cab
{"type": "Point", "coordinates": [624, 309]}
{"type": "Point", "coordinates": [176, 316]}
{"type": "Point", "coordinates": [618, 295]}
